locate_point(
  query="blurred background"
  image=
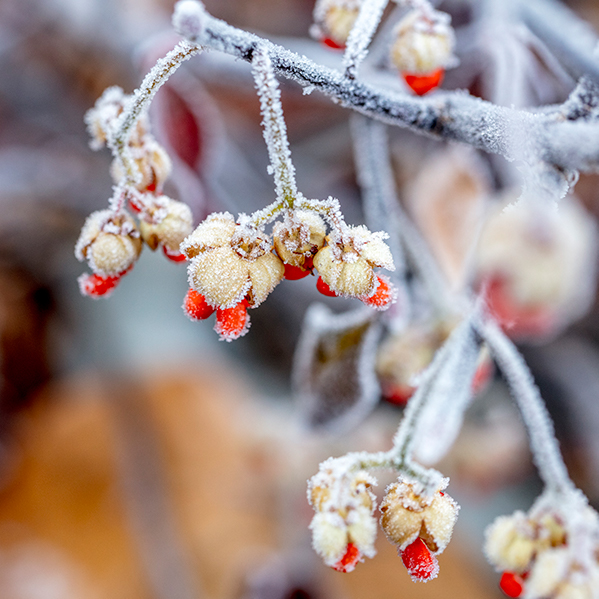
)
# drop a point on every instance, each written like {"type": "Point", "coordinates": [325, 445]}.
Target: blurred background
{"type": "Point", "coordinates": [141, 458]}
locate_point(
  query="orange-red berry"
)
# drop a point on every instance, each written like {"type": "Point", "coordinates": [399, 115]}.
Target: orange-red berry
{"type": "Point", "coordinates": [196, 307]}
{"type": "Point", "coordinates": [96, 286]}
{"type": "Point", "coordinates": [383, 296]}
{"type": "Point", "coordinates": [232, 323]}
{"type": "Point", "coordinates": [419, 561]}
{"type": "Point", "coordinates": [348, 562]}
{"type": "Point", "coordinates": [175, 256]}
{"type": "Point", "coordinates": [511, 584]}
{"type": "Point", "coordinates": [422, 84]}
{"type": "Point", "coordinates": [329, 43]}
{"type": "Point", "coordinates": [324, 288]}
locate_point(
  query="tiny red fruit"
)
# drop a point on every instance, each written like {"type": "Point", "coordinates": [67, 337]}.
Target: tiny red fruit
{"type": "Point", "coordinates": [511, 584]}
{"type": "Point", "coordinates": [421, 564]}
{"type": "Point", "coordinates": [232, 323]}
{"type": "Point", "coordinates": [422, 84]}
{"type": "Point", "coordinates": [96, 286]}
{"type": "Point", "coordinates": [348, 562]}
{"type": "Point", "coordinates": [383, 296]}
{"type": "Point", "coordinates": [175, 256]}
{"type": "Point", "coordinates": [324, 288]}
{"type": "Point", "coordinates": [294, 273]}
{"type": "Point", "coordinates": [329, 43]}
{"type": "Point", "coordinates": [196, 307]}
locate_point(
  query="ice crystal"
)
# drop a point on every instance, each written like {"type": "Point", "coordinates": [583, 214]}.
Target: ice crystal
{"type": "Point", "coordinates": [189, 19]}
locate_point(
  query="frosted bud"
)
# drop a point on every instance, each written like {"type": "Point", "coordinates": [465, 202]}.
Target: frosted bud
{"type": "Point", "coordinates": [109, 242]}
{"type": "Point", "coordinates": [407, 514]}
{"type": "Point", "coordinates": [424, 43]}
{"type": "Point", "coordinates": [170, 229]}
{"type": "Point", "coordinates": [298, 237]}
{"type": "Point", "coordinates": [230, 262]}
{"type": "Point", "coordinates": [344, 524]}
{"type": "Point", "coordinates": [100, 119]}
{"type": "Point", "coordinates": [189, 19]}
{"type": "Point", "coordinates": [346, 263]}
{"type": "Point", "coordinates": [153, 165]}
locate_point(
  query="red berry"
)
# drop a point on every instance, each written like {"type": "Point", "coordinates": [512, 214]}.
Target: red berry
{"type": "Point", "coordinates": [232, 323]}
{"type": "Point", "coordinates": [324, 288]}
{"type": "Point", "coordinates": [420, 562]}
{"type": "Point", "coordinates": [151, 187]}
{"type": "Point", "coordinates": [421, 84]}
{"type": "Point", "coordinates": [329, 43]}
{"type": "Point", "coordinates": [96, 286]}
{"type": "Point", "coordinates": [134, 207]}
{"type": "Point", "coordinates": [398, 394]}
{"type": "Point", "coordinates": [293, 273]}
{"type": "Point", "coordinates": [516, 319]}
{"type": "Point", "coordinates": [174, 255]}
{"type": "Point", "coordinates": [196, 306]}
{"type": "Point", "coordinates": [511, 584]}
{"type": "Point", "coordinates": [348, 562]}
{"type": "Point", "coordinates": [482, 376]}
{"type": "Point", "coordinates": [383, 296]}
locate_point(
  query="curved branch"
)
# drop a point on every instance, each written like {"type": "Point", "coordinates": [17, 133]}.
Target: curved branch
{"type": "Point", "coordinates": [457, 116]}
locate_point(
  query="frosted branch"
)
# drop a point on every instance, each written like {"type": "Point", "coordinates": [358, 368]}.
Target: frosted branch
{"type": "Point", "coordinates": [140, 102]}
{"type": "Point", "coordinates": [514, 134]}
{"type": "Point", "coordinates": [361, 34]}
{"type": "Point", "coordinates": [275, 130]}
{"type": "Point", "coordinates": [543, 443]}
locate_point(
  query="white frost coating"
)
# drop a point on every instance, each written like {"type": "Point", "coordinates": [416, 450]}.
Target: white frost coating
{"type": "Point", "coordinates": [189, 18]}
{"type": "Point", "coordinates": [543, 444]}
{"type": "Point", "coordinates": [275, 130]}
{"type": "Point", "coordinates": [449, 397]}
{"type": "Point", "coordinates": [137, 105]}
{"type": "Point", "coordinates": [361, 34]}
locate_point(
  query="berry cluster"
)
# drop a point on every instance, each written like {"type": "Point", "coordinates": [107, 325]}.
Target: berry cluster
{"type": "Point", "coordinates": [421, 48]}
{"type": "Point", "coordinates": [344, 527]}
{"type": "Point", "coordinates": [111, 240]}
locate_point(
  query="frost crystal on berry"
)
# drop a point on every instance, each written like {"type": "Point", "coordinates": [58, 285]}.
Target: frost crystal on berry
{"type": "Point", "coordinates": [109, 242]}
{"type": "Point", "coordinates": [407, 514]}
{"type": "Point", "coordinates": [298, 237]}
{"type": "Point", "coordinates": [344, 507]}
{"type": "Point", "coordinates": [346, 263]}
{"type": "Point", "coordinates": [229, 261]}
{"type": "Point", "coordinates": [166, 223]}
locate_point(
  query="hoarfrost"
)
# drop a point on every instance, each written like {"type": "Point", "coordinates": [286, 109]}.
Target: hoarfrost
{"type": "Point", "coordinates": [189, 19]}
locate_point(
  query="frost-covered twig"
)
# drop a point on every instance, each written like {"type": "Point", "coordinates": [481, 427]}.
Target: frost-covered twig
{"type": "Point", "coordinates": [275, 130]}
{"type": "Point", "coordinates": [455, 116]}
{"type": "Point", "coordinates": [373, 161]}
{"type": "Point", "coordinates": [543, 443]}
{"type": "Point", "coordinates": [140, 101]}
{"type": "Point", "coordinates": [361, 34]}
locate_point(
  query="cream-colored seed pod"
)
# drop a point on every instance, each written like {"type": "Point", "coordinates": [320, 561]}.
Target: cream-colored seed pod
{"type": "Point", "coordinates": [338, 22]}
{"type": "Point", "coordinates": [406, 516]}
{"type": "Point", "coordinates": [548, 573]}
{"type": "Point", "coordinates": [109, 242]}
{"type": "Point", "coordinates": [299, 238]}
{"type": "Point", "coordinates": [346, 266]}
{"type": "Point", "coordinates": [421, 46]}
{"type": "Point", "coordinates": [110, 254]}
{"type": "Point", "coordinates": [153, 163]}
{"type": "Point", "coordinates": [329, 539]}
{"type": "Point", "coordinates": [226, 266]}
{"type": "Point", "coordinates": [171, 230]}
{"type": "Point", "coordinates": [509, 543]}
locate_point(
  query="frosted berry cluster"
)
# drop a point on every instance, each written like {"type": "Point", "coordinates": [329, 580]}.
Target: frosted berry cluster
{"type": "Point", "coordinates": [418, 521]}
{"type": "Point", "coordinates": [111, 240]}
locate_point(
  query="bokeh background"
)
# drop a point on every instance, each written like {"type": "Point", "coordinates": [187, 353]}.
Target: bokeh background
{"type": "Point", "coordinates": [140, 458]}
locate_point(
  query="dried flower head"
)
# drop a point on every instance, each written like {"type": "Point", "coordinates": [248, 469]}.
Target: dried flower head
{"type": "Point", "coordinates": [298, 237]}
{"type": "Point", "coordinates": [343, 528]}
{"type": "Point", "coordinates": [167, 223]}
{"type": "Point", "coordinates": [408, 514]}
{"type": "Point", "coordinates": [424, 43]}
{"type": "Point", "coordinates": [346, 263]}
{"type": "Point", "coordinates": [230, 261]}
{"type": "Point", "coordinates": [109, 242]}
